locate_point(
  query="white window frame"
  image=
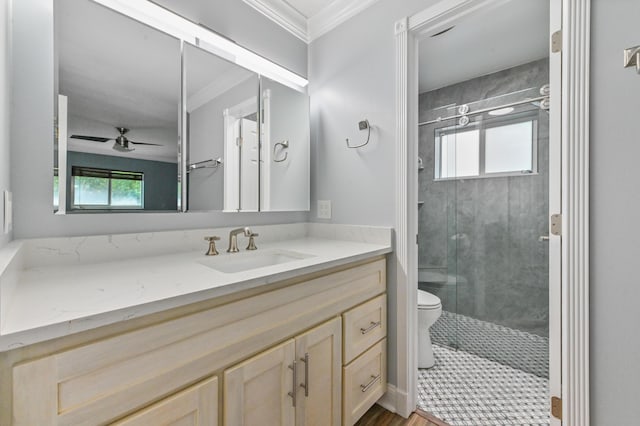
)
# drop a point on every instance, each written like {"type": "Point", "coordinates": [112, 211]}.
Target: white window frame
{"type": "Point", "coordinates": [482, 126]}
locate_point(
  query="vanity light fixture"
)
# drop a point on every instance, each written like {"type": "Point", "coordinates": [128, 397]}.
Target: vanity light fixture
{"type": "Point", "coordinates": [168, 22]}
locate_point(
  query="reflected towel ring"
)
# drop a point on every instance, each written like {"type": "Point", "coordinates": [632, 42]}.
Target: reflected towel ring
{"type": "Point", "coordinates": [284, 144]}
{"type": "Point", "coordinates": [362, 125]}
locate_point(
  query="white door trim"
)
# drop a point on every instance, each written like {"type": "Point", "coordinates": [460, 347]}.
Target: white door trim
{"type": "Point", "coordinates": [576, 37]}
{"type": "Point", "coordinates": [574, 127]}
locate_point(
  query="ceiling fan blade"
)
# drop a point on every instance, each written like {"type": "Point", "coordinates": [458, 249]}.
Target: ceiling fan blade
{"type": "Point", "coordinates": [91, 138]}
{"type": "Point", "coordinates": [144, 143]}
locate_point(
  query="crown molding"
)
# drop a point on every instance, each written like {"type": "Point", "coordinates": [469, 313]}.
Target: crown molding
{"type": "Point", "coordinates": [335, 14]}
{"type": "Point", "coordinates": [307, 30]}
{"type": "Point", "coordinates": [284, 15]}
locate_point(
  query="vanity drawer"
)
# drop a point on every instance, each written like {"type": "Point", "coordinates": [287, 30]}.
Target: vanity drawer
{"type": "Point", "coordinates": [364, 382]}
{"type": "Point", "coordinates": [363, 326]}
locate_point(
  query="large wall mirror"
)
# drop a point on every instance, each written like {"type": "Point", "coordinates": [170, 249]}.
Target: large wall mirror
{"type": "Point", "coordinates": [151, 122]}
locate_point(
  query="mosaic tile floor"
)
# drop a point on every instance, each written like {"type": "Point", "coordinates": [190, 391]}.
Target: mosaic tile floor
{"type": "Point", "coordinates": [518, 349]}
{"type": "Point", "coordinates": [466, 390]}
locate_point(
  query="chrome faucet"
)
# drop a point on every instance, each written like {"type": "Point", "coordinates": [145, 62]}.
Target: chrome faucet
{"type": "Point", "coordinates": [233, 238]}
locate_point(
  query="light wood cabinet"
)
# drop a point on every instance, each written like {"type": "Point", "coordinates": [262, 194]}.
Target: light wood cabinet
{"type": "Point", "coordinates": [319, 353]}
{"type": "Point", "coordinates": [297, 382]}
{"type": "Point", "coordinates": [96, 381]}
{"type": "Point", "coordinates": [257, 392]}
{"type": "Point", "coordinates": [365, 358]}
{"type": "Point", "coordinates": [364, 326]}
{"type": "Point", "coordinates": [365, 381]}
{"type": "Point", "coordinates": [195, 406]}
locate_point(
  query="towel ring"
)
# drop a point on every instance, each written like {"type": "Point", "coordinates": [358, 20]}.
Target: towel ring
{"type": "Point", "coordinates": [284, 144]}
{"type": "Point", "coordinates": [362, 125]}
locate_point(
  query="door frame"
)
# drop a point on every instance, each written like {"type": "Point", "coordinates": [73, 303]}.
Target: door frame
{"type": "Point", "coordinates": [569, 298]}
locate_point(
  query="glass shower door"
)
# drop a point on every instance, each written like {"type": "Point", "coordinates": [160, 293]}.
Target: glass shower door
{"type": "Point", "coordinates": [437, 250]}
{"type": "Point", "coordinates": [501, 210]}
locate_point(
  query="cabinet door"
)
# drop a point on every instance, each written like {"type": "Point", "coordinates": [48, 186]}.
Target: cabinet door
{"type": "Point", "coordinates": [256, 392]}
{"type": "Point", "coordinates": [319, 356]}
{"type": "Point", "coordinates": [195, 406]}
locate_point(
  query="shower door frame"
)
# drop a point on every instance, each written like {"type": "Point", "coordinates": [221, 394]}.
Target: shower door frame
{"type": "Point", "coordinates": [569, 167]}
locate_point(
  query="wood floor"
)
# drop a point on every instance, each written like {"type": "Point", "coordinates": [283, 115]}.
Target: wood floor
{"type": "Point", "coordinates": [378, 416]}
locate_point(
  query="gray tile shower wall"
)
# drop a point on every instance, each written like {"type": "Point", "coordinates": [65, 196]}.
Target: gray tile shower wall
{"type": "Point", "coordinates": [479, 249]}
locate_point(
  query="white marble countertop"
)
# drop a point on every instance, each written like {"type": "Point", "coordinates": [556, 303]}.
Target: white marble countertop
{"type": "Point", "coordinates": [54, 300]}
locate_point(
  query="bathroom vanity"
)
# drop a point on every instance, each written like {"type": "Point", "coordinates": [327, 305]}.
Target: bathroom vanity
{"type": "Point", "coordinates": [302, 341]}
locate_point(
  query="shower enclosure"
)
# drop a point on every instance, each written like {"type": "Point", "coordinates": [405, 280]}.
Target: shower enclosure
{"type": "Point", "coordinates": [483, 214]}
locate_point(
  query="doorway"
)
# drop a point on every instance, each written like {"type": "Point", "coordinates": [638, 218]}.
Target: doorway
{"type": "Point", "coordinates": [483, 246]}
{"type": "Point", "coordinates": [567, 79]}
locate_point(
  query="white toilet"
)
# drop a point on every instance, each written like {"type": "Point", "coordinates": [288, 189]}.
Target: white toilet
{"type": "Point", "coordinates": [429, 310]}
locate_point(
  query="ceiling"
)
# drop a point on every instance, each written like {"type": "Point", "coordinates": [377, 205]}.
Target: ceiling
{"type": "Point", "coordinates": [493, 39]}
{"type": "Point", "coordinates": [309, 19]}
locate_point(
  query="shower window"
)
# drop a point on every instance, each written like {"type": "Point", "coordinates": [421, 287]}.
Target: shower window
{"type": "Point", "coordinates": [106, 189]}
{"type": "Point", "coordinates": [502, 146]}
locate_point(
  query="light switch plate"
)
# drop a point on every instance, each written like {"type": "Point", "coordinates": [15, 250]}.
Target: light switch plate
{"type": "Point", "coordinates": [324, 209]}
{"type": "Point", "coordinates": [8, 212]}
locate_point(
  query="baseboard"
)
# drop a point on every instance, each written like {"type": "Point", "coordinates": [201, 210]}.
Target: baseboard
{"type": "Point", "coordinates": [388, 401]}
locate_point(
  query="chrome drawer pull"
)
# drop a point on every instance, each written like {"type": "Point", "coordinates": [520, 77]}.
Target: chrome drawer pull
{"type": "Point", "coordinates": [305, 385]}
{"type": "Point", "coordinates": [292, 394]}
{"type": "Point", "coordinates": [371, 327]}
{"type": "Point", "coordinates": [366, 387]}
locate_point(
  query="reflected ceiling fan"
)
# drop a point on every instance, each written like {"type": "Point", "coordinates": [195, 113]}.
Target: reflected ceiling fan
{"type": "Point", "coordinates": [122, 143]}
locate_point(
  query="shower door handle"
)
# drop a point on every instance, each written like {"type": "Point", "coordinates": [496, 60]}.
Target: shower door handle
{"type": "Point", "coordinates": [543, 238]}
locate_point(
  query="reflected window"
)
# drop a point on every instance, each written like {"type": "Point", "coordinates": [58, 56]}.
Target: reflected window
{"type": "Point", "coordinates": [106, 189]}
{"type": "Point", "coordinates": [504, 146]}
{"type": "Point", "coordinates": [56, 188]}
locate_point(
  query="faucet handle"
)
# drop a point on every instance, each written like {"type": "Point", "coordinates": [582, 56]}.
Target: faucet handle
{"type": "Point", "coordinates": [252, 243]}
{"type": "Point", "coordinates": [212, 245]}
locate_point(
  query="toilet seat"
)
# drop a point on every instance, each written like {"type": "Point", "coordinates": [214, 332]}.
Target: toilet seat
{"type": "Point", "coordinates": [427, 300]}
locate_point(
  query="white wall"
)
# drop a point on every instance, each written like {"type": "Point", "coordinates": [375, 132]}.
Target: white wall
{"type": "Point", "coordinates": [32, 121]}
{"type": "Point", "coordinates": [5, 105]}
{"type": "Point", "coordinates": [352, 77]}
{"type": "Point", "coordinates": [615, 210]}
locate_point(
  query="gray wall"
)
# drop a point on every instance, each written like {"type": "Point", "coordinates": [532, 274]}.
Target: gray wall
{"type": "Point", "coordinates": [615, 207]}
{"type": "Point", "coordinates": [160, 178]}
{"type": "Point", "coordinates": [5, 106]}
{"type": "Point", "coordinates": [33, 112]}
{"type": "Point", "coordinates": [485, 231]}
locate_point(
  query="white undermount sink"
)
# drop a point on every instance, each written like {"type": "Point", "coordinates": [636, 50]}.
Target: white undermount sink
{"type": "Point", "coordinates": [245, 261]}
